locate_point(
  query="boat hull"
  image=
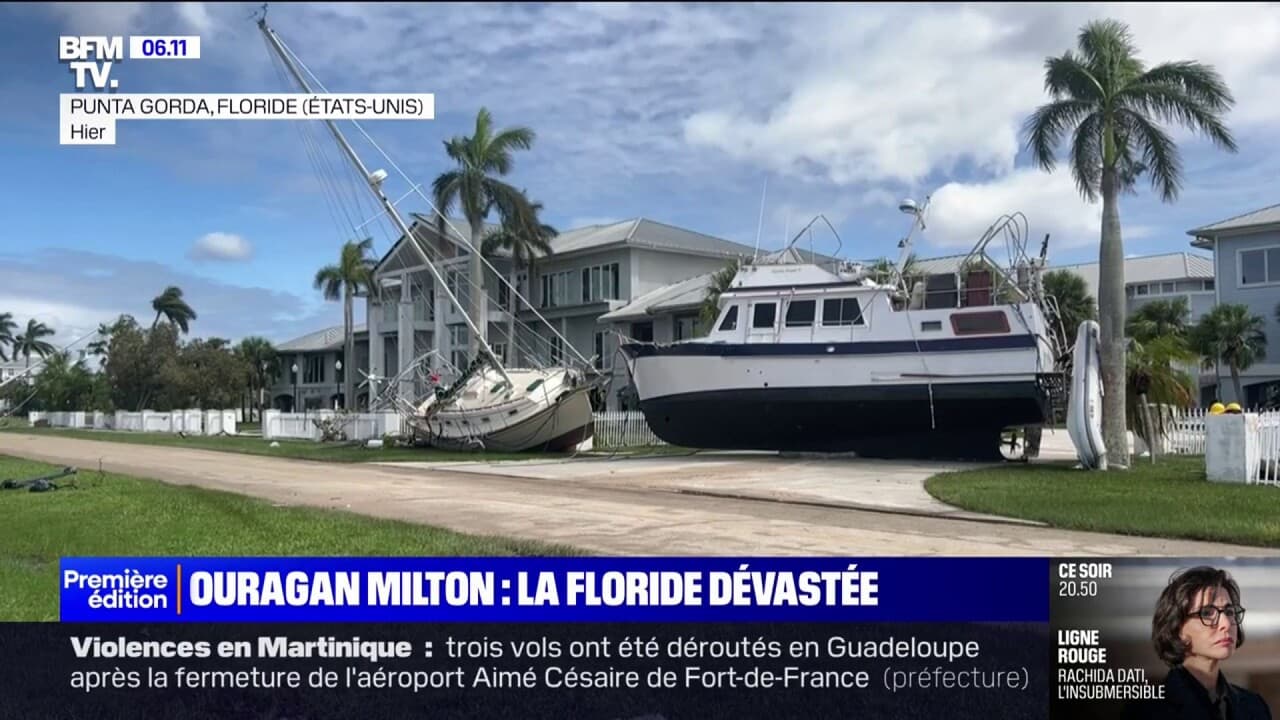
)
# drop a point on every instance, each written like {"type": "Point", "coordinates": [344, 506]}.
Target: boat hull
{"type": "Point", "coordinates": [558, 427]}
{"type": "Point", "coordinates": [960, 420]}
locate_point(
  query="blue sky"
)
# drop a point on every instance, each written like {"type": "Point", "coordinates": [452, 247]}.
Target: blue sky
{"type": "Point", "coordinates": [678, 113]}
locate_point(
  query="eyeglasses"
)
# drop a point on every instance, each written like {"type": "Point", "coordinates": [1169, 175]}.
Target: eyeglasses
{"type": "Point", "coordinates": [1209, 614]}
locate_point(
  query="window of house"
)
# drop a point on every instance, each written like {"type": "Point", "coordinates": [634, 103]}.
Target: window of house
{"type": "Point", "coordinates": [730, 321]}
{"type": "Point", "coordinates": [764, 315]}
{"type": "Point", "coordinates": [557, 349]}
{"type": "Point", "coordinates": [1208, 285]}
{"type": "Point", "coordinates": [800, 313]}
{"type": "Point", "coordinates": [1142, 289]}
{"type": "Point", "coordinates": [500, 349]}
{"type": "Point", "coordinates": [1259, 266]}
{"type": "Point", "coordinates": [453, 281]}
{"type": "Point", "coordinates": [600, 283]}
{"type": "Point", "coordinates": [683, 326]}
{"type": "Point", "coordinates": [1128, 291]}
{"type": "Point", "coordinates": [458, 346]}
{"type": "Point", "coordinates": [642, 331]}
{"type": "Point", "coordinates": [841, 311]}
{"type": "Point", "coordinates": [313, 369]}
{"type": "Point", "coordinates": [597, 349]}
{"type": "Point", "coordinates": [979, 323]}
{"type": "Point", "coordinates": [1168, 288]}
{"type": "Point", "coordinates": [556, 291]}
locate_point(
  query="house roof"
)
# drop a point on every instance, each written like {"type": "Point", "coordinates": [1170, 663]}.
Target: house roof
{"type": "Point", "coordinates": [1255, 218]}
{"type": "Point", "coordinates": [329, 338]}
{"type": "Point", "coordinates": [638, 232]}
{"type": "Point", "coordinates": [1150, 268]}
{"type": "Point", "coordinates": [682, 295]}
{"type": "Point", "coordinates": [645, 233]}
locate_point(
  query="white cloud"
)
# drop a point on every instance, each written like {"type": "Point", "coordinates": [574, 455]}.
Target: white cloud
{"type": "Point", "coordinates": [69, 321]}
{"type": "Point", "coordinates": [959, 213]}
{"type": "Point", "coordinates": [894, 94]}
{"type": "Point", "coordinates": [221, 246]}
{"type": "Point", "coordinates": [72, 291]}
{"type": "Point", "coordinates": [97, 18]}
{"type": "Point", "coordinates": [196, 16]}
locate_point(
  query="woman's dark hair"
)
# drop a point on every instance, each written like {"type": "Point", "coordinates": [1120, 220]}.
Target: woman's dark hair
{"type": "Point", "coordinates": [1175, 602]}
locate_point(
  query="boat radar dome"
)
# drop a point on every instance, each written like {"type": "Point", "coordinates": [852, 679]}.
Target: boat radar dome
{"type": "Point", "coordinates": [377, 176]}
{"type": "Point", "coordinates": [908, 206]}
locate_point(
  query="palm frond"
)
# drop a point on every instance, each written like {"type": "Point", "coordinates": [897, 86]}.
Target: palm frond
{"type": "Point", "coordinates": [1068, 78]}
{"type": "Point", "coordinates": [1159, 152]}
{"type": "Point", "coordinates": [1045, 127]}
{"type": "Point", "coordinates": [1086, 156]}
{"type": "Point", "coordinates": [1201, 83]}
{"type": "Point", "coordinates": [1170, 103]}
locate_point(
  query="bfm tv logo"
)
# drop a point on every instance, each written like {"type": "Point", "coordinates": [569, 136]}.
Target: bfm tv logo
{"type": "Point", "coordinates": [104, 50]}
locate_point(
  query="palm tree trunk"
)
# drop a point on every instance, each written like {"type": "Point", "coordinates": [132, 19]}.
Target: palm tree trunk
{"type": "Point", "coordinates": [1111, 306]}
{"type": "Point", "coordinates": [348, 349]}
{"type": "Point", "coordinates": [511, 321]}
{"type": "Point", "coordinates": [477, 289]}
{"type": "Point", "coordinates": [1235, 382]}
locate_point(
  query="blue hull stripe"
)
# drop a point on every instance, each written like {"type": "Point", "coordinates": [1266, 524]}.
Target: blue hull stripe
{"type": "Point", "coordinates": [884, 347]}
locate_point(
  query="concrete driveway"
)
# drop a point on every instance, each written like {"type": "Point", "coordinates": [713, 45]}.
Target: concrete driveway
{"type": "Point", "coordinates": [599, 511]}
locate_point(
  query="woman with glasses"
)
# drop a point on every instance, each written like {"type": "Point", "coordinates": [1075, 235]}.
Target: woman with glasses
{"type": "Point", "coordinates": [1197, 626]}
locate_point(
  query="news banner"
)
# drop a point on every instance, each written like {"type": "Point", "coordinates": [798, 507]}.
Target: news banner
{"type": "Point", "coordinates": [321, 637]}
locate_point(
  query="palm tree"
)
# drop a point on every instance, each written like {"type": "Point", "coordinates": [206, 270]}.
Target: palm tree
{"type": "Point", "coordinates": [1154, 379]}
{"type": "Point", "coordinates": [1160, 318]}
{"type": "Point", "coordinates": [524, 242]}
{"type": "Point", "coordinates": [474, 185]}
{"type": "Point", "coordinates": [7, 326]}
{"type": "Point", "coordinates": [29, 343]}
{"type": "Point", "coordinates": [1113, 101]}
{"type": "Point", "coordinates": [1230, 334]}
{"type": "Point", "coordinates": [174, 309]}
{"type": "Point", "coordinates": [720, 281]}
{"type": "Point", "coordinates": [263, 363]}
{"type": "Point", "coordinates": [1071, 295]}
{"type": "Point", "coordinates": [352, 274]}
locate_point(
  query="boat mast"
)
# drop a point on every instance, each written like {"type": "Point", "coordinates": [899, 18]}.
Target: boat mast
{"type": "Point", "coordinates": [375, 185]}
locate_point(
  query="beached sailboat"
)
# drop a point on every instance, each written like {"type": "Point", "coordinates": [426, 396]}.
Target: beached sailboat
{"type": "Point", "coordinates": [487, 405]}
{"type": "Point", "coordinates": [837, 358]}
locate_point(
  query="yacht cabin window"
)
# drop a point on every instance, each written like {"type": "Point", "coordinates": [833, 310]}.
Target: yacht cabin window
{"type": "Point", "coordinates": [730, 321]}
{"type": "Point", "coordinates": [841, 311]}
{"type": "Point", "coordinates": [764, 316]}
{"type": "Point", "coordinates": [800, 313]}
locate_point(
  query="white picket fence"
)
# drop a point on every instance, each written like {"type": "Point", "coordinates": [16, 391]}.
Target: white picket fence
{"type": "Point", "coordinates": [613, 430]}
{"type": "Point", "coordinates": [190, 422]}
{"type": "Point", "coordinates": [622, 429]}
{"type": "Point", "coordinates": [1185, 435]}
{"type": "Point", "coordinates": [278, 425]}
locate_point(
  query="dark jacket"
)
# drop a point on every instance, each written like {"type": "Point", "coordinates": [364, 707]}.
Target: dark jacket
{"type": "Point", "coordinates": [1186, 699]}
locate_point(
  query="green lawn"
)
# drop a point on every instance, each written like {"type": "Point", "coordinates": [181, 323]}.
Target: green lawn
{"type": "Point", "coordinates": [117, 515]}
{"type": "Point", "coordinates": [1169, 499]}
{"type": "Point", "coordinates": [304, 449]}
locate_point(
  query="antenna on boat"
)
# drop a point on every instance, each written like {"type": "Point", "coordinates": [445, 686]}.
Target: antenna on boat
{"type": "Point", "coordinates": [374, 180]}
{"type": "Point", "coordinates": [909, 207]}
{"type": "Point", "coordinates": [760, 224]}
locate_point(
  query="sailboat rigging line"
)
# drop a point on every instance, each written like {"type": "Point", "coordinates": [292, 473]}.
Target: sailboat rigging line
{"type": "Point", "coordinates": [377, 191]}
{"type": "Point", "coordinates": [380, 213]}
{"type": "Point", "coordinates": [475, 251]}
{"type": "Point", "coordinates": [933, 420]}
